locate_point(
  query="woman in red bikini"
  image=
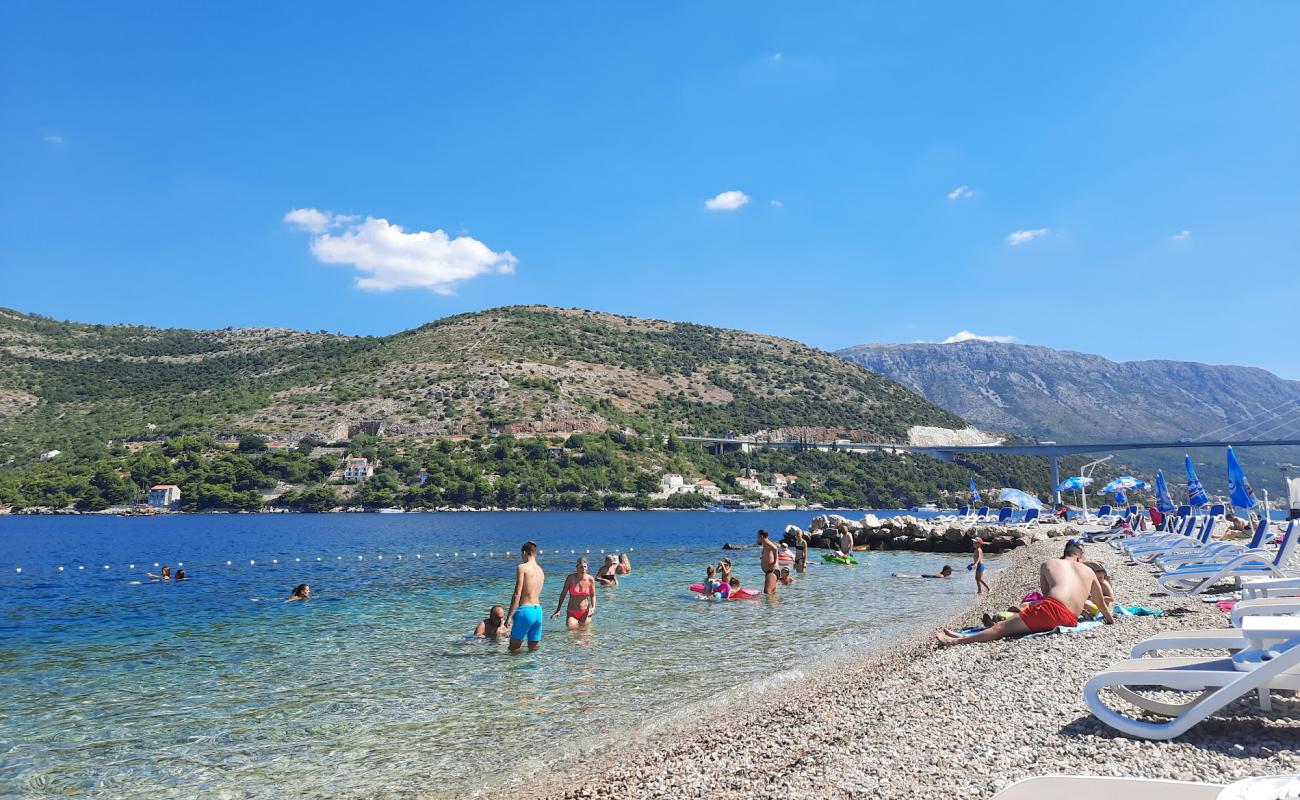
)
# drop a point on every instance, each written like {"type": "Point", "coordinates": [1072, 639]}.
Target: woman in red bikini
{"type": "Point", "coordinates": [580, 588]}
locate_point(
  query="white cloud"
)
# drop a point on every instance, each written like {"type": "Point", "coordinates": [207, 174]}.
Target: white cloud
{"type": "Point", "coordinates": [1182, 235]}
{"type": "Point", "coordinates": [775, 203]}
{"type": "Point", "coordinates": [962, 192]}
{"type": "Point", "coordinates": [727, 201]}
{"type": "Point", "coordinates": [311, 220]}
{"type": "Point", "coordinates": [967, 336]}
{"type": "Point", "coordinates": [1016, 238]}
{"type": "Point", "coordinates": [53, 138]}
{"type": "Point", "coordinates": [386, 257]}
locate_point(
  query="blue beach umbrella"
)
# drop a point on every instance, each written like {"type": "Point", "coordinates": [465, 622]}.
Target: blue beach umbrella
{"type": "Point", "coordinates": [1073, 483]}
{"type": "Point", "coordinates": [974, 493]}
{"type": "Point", "coordinates": [1238, 487]}
{"type": "Point", "coordinates": [1164, 501]}
{"type": "Point", "coordinates": [1196, 495]}
{"type": "Point", "coordinates": [1019, 499]}
{"type": "Point", "coordinates": [1121, 486]}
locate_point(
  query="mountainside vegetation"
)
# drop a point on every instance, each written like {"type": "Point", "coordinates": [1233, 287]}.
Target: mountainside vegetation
{"type": "Point", "coordinates": [510, 407]}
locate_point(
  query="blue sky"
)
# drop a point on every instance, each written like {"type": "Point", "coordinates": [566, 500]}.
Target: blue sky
{"type": "Point", "coordinates": [1132, 171]}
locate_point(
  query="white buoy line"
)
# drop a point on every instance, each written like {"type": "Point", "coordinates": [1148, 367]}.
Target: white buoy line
{"type": "Point", "coordinates": [252, 562]}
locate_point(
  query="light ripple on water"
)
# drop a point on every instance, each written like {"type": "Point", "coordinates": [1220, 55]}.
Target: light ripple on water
{"type": "Point", "coordinates": [372, 688]}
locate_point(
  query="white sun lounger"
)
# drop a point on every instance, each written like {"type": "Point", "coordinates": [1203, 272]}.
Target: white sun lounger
{"type": "Point", "coordinates": [1196, 578]}
{"type": "Point", "coordinates": [1080, 787]}
{"type": "Point", "coordinates": [1212, 551]}
{"type": "Point", "coordinates": [1217, 682]}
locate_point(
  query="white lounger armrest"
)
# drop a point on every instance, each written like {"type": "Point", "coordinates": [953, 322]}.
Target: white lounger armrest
{"type": "Point", "coordinates": [1270, 587]}
{"type": "Point", "coordinates": [1079, 787]}
{"type": "Point", "coordinates": [1264, 607]}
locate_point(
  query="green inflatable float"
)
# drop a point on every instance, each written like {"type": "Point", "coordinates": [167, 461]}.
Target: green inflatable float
{"type": "Point", "coordinates": [837, 559]}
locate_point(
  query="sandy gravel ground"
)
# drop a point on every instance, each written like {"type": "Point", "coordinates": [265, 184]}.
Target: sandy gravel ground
{"type": "Point", "coordinates": [922, 722]}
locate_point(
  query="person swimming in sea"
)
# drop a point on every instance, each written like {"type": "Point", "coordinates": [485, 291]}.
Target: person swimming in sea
{"type": "Point", "coordinates": [166, 574]}
{"type": "Point", "coordinates": [624, 564]}
{"type": "Point", "coordinates": [494, 624]}
{"type": "Point", "coordinates": [300, 592]}
{"type": "Point", "coordinates": [607, 575]}
{"type": "Point", "coordinates": [180, 575]}
{"type": "Point", "coordinates": [945, 572]}
{"type": "Point", "coordinates": [785, 577]}
{"type": "Point", "coordinates": [580, 588]}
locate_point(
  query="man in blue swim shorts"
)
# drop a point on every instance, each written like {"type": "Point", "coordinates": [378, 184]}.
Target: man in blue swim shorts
{"type": "Point", "coordinates": [525, 604]}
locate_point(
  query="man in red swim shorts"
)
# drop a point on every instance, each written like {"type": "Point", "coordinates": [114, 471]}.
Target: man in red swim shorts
{"type": "Point", "coordinates": [1066, 583]}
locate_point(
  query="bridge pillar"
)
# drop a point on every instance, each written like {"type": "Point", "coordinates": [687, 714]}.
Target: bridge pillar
{"type": "Point", "coordinates": [1056, 479]}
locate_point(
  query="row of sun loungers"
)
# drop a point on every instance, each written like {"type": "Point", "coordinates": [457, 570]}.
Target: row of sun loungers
{"type": "Point", "coordinates": [1258, 654]}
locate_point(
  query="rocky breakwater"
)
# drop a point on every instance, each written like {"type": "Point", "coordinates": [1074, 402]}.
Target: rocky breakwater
{"type": "Point", "coordinates": [939, 535]}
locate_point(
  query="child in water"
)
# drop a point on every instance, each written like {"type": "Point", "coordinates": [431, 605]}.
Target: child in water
{"type": "Point", "coordinates": [786, 578]}
{"type": "Point", "coordinates": [300, 592]}
{"type": "Point", "coordinates": [977, 565]}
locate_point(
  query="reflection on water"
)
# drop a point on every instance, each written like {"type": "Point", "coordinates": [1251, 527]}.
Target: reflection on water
{"type": "Point", "coordinates": [117, 685]}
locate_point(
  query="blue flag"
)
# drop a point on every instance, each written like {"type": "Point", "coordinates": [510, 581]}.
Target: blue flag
{"type": "Point", "coordinates": [1164, 501]}
{"type": "Point", "coordinates": [1196, 495]}
{"type": "Point", "coordinates": [974, 493]}
{"type": "Point", "coordinates": [1238, 487]}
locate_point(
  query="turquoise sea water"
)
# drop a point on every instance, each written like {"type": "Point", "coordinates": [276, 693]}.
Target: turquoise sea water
{"type": "Point", "coordinates": [115, 686]}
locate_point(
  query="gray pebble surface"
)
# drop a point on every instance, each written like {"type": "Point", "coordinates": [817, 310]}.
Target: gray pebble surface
{"type": "Point", "coordinates": [919, 721]}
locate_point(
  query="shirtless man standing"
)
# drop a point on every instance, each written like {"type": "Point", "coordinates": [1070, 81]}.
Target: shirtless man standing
{"type": "Point", "coordinates": [767, 560]}
{"type": "Point", "coordinates": [1066, 583]}
{"type": "Point", "coordinates": [525, 613]}
{"type": "Point", "coordinates": [846, 541]}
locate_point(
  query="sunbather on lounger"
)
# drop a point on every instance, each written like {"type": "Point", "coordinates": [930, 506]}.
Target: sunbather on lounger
{"type": "Point", "coordinates": [1066, 583]}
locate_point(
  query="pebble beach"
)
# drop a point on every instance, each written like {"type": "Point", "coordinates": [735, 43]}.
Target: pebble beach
{"type": "Point", "coordinates": [919, 721]}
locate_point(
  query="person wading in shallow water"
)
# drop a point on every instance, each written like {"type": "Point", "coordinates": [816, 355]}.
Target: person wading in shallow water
{"type": "Point", "coordinates": [767, 560]}
{"type": "Point", "coordinates": [580, 588]}
{"type": "Point", "coordinates": [525, 613]}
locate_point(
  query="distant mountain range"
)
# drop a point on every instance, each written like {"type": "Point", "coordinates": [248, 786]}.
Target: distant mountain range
{"type": "Point", "coordinates": [1068, 396]}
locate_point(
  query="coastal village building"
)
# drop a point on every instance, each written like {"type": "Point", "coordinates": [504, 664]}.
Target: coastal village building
{"type": "Point", "coordinates": [165, 495]}
{"type": "Point", "coordinates": [358, 469]}
{"type": "Point", "coordinates": [671, 482]}
{"type": "Point", "coordinates": [49, 455]}
{"type": "Point", "coordinates": [749, 484]}
{"type": "Point", "coordinates": [708, 488]}
{"type": "Point", "coordinates": [424, 477]}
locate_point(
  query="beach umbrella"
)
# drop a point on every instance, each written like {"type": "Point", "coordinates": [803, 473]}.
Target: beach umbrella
{"type": "Point", "coordinates": [1073, 483]}
{"type": "Point", "coordinates": [1164, 501]}
{"type": "Point", "coordinates": [974, 493]}
{"type": "Point", "coordinates": [1121, 485]}
{"type": "Point", "coordinates": [1196, 495]}
{"type": "Point", "coordinates": [1019, 499]}
{"type": "Point", "coordinates": [1238, 487]}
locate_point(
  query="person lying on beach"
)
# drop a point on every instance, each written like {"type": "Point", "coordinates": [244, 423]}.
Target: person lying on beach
{"type": "Point", "coordinates": [494, 624]}
{"type": "Point", "coordinates": [767, 560]}
{"type": "Point", "coordinates": [580, 588]}
{"type": "Point", "coordinates": [977, 565]}
{"type": "Point", "coordinates": [945, 572]}
{"type": "Point", "coordinates": [1235, 523]}
{"type": "Point", "coordinates": [624, 564]}
{"type": "Point", "coordinates": [1062, 511]}
{"type": "Point", "coordinates": [1066, 583]}
{"type": "Point", "coordinates": [166, 574]}
{"type": "Point", "coordinates": [300, 592]}
{"type": "Point", "coordinates": [786, 578]}
{"type": "Point", "coordinates": [607, 575]}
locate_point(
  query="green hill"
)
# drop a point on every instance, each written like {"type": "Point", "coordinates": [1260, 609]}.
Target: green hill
{"type": "Point", "coordinates": [519, 405]}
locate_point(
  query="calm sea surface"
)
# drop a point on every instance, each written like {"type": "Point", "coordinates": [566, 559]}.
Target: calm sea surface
{"type": "Point", "coordinates": [112, 685]}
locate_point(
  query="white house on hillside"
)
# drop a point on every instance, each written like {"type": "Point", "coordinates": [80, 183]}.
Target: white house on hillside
{"type": "Point", "coordinates": [165, 495]}
{"type": "Point", "coordinates": [358, 469]}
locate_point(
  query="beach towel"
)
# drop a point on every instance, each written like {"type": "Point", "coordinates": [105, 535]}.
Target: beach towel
{"type": "Point", "coordinates": [1135, 611]}
{"type": "Point", "coordinates": [1226, 606]}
